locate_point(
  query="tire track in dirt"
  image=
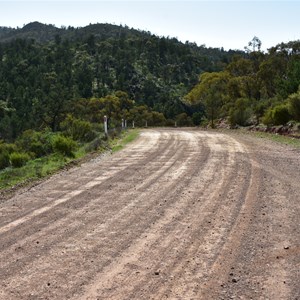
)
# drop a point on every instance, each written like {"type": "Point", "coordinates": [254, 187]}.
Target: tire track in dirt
{"type": "Point", "coordinates": [73, 222]}
{"type": "Point", "coordinates": [64, 224]}
{"type": "Point", "coordinates": [163, 235]}
{"type": "Point", "coordinates": [64, 197]}
{"type": "Point", "coordinates": [63, 184]}
{"type": "Point", "coordinates": [178, 214]}
{"type": "Point", "coordinates": [148, 237]}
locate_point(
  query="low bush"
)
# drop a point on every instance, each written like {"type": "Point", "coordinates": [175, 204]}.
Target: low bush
{"type": "Point", "coordinates": [240, 117]}
{"type": "Point", "coordinates": [38, 148]}
{"type": "Point", "coordinates": [4, 160]}
{"type": "Point", "coordinates": [37, 143]}
{"type": "Point", "coordinates": [64, 145]}
{"type": "Point", "coordinates": [18, 159]}
{"type": "Point", "coordinates": [281, 115]}
{"type": "Point", "coordinates": [294, 106]}
{"type": "Point", "coordinates": [170, 123]}
{"type": "Point", "coordinates": [184, 120]}
{"type": "Point", "coordinates": [241, 113]}
{"type": "Point", "coordinates": [78, 130]}
{"type": "Point", "coordinates": [157, 119]}
{"type": "Point", "coordinates": [5, 151]}
{"type": "Point", "coordinates": [278, 115]}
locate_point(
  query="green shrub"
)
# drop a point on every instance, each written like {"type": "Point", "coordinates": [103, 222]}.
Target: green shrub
{"type": "Point", "coordinates": [240, 117]}
{"type": "Point", "coordinates": [77, 129]}
{"type": "Point", "coordinates": [260, 107]}
{"type": "Point", "coordinates": [267, 118]}
{"type": "Point", "coordinates": [38, 148]}
{"type": "Point", "coordinates": [170, 123]}
{"type": "Point", "coordinates": [241, 113]}
{"type": "Point", "coordinates": [281, 115]}
{"type": "Point", "coordinates": [157, 119]}
{"type": "Point", "coordinates": [205, 123]}
{"type": "Point", "coordinates": [184, 120]}
{"type": "Point", "coordinates": [278, 115]}
{"type": "Point", "coordinates": [294, 106]}
{"type": "Point", "coordinates": [18, 159]}
{"type": "Point", "coordinates": [38, 143]}
{"type": "Point", "coordinates": [5, 151]}
{"type": "Point", "coordinates": [4, 159]}
{"type": "Point", "coordinates": [64, 145]}
{"type": "Point", "coordinates": [8, 147]}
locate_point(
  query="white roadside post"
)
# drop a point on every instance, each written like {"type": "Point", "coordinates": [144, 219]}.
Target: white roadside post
{"type": "Point", "coordinates": [146, 125]}
{"type": "Point", "coordinates": [125, 124]}
{"type": "Point", "coordinates": [122, 124]}
{"type": "Point", "coordinates": [105, 125]}
{"type": "Point", "coordinates": [132, 124]}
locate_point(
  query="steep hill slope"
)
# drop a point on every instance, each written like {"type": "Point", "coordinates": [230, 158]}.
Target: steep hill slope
{"type": "Point", "coordinates": [40, 64]}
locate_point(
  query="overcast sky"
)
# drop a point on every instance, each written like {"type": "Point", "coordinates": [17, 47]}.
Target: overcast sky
{"type": "Point", "coordinates": [228, 24]}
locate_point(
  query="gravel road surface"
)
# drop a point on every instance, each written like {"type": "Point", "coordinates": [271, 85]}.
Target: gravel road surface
{"type": "Point", "coordinates": [178, 214]}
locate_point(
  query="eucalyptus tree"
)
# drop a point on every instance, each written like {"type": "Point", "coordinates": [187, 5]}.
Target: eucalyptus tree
{"type": "Point", "coordinates": [212, 92]}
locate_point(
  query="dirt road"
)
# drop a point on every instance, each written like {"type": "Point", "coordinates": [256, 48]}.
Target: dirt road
{"type": "Point", "coordinates": [178, 214]}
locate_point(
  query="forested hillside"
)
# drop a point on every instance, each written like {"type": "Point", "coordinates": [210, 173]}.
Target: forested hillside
{"type": "Point", "coordinates": [48, 72]}
{"type": "Point", "coordinates": [255, 87]}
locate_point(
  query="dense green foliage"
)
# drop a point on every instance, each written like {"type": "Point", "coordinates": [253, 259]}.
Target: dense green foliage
{"type": "Point", "coordinates": [47, 73]}
{"type": "Point", "coordinates": [64, 145]}
{"type": "Point", "coordinates": [254, 87]}
{"type": "Point", "coordinates": [18, 159]}
{"type": "Point", "coordinates": [5, 151]}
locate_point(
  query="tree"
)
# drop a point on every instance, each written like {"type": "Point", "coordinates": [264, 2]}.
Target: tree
{"type": "Point", "coordinates": [255, 43]}
{"type": "Point", "coordinates": [211, 91]}
{"type": "Point", "coordinates": [270, 73]}
{"type": "Point", "coordinates": [140, 115]}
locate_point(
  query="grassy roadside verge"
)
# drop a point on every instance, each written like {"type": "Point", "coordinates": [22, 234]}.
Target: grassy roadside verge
{"type": "Point", "coordinates": [127, 137]}
{"type": "Point", "coordinates": [281, 139]}
{"type": "Point", "coordinates": [44, 167]}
